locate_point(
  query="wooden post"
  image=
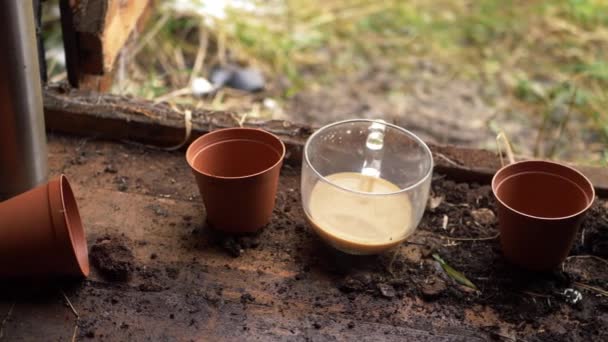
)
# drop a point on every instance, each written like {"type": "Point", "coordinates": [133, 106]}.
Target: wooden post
{"type": "Point", "coordinates": [94, 33]}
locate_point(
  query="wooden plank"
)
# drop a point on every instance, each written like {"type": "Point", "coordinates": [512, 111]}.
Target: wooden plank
{"type": "Point", "coordinates": [94, 32]}
{"type": "Point", "coordinates": [70, 42]}
{"type": "Point", "coordinates": [103, 27]}
{"type": "Point", "coordinates": [125, 118]}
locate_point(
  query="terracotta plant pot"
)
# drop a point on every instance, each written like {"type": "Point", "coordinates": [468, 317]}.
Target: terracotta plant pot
{"type": "Point", "coordinates": [41, 233]}
{"type": "Point", "coordinates": [540, 208]}
{"type": "Point", "coordinates": [237, 172]}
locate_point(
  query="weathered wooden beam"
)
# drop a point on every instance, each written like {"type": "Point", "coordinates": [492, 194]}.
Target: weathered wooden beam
{"type": "Point", "coordinates": [94, 32]}
{"type": "Point", "coordinates": [125, 118]}
{"type": "Point", "coordinates": [103, 27]}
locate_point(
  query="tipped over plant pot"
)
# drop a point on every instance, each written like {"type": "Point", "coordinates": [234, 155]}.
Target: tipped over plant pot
{"type": "Point", "coordinates": [41, 234]}
{"type": "Point", "coordinates": [237, 172]}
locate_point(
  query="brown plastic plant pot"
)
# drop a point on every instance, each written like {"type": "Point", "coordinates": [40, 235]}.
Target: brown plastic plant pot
{"type": "Point", "coordinates": [41, 234]}
{"type": "Point", "coordinates": [237, 172]}
{"type": "Point", "coordinates": [540, 208]}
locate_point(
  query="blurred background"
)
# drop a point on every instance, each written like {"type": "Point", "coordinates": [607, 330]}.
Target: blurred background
{"type": "Point", "coordinates": [453, 71]}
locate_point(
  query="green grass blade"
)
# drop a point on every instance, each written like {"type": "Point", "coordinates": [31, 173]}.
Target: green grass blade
{"type": "Point", "coordinates": [456, 275]}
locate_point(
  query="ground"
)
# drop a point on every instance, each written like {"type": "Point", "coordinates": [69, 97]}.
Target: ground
{"type": "Point", "coordinates": [160, 273]}
{"type": "Point", "coordinates": [452, 71]}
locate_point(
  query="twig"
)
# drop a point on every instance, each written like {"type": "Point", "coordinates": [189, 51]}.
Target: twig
{"type": "Point", "coordinates": [242, 120]}
{"type": "Point", "coordinates": [447, 159]}
{"type": "Point", "coordinates": [509, 338]}
{"type": "Point", "coordinates": [415, 243]}
{"type": "Point", "coordinates": [200, 54]}
{"type": "Point", "coordinates": [75, 331]}
{"type": "Point", "coordinates": [591, 288]}
{"type": "Point", "coordinates": [594, 257]}
{"type": "Point", "coordinates": [390, 264]}
{"type": "Point", "coordinates": [239, 121]}
{"type": "Point", "coordinates": [151, 34]}
{"type": "Point", "coordinates": [563, 124]}
{"type": "Point", "coordinates": [533, 294]}
{"type": "Point", "coordinates": [6, 318]}
{"type": "Point", "coordinates": [174, 93]}
{"type": "Point", "coordinates": [67, 300]}
{"type": "Point", "coordinates": [508, 149]}
{"type": "Point", "coordinates": [70, 304]}
{"type": "Point", "coordinates": [541, 134]}
{"type": "Point", "coordinates": [469, 239]}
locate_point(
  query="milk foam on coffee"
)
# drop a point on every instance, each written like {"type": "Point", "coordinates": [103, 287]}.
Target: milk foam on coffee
{"type": "Point", "coordinates": [363, 221]}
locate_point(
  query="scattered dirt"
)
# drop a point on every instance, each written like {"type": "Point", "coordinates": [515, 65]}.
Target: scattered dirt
{"type": "Point", "coordinates": [285, 279]}
{"type": "Point", "coordinates": [469, 243]}
{"type": "Point", "coordinates": [460, 226]}
{"type": "Point", "coordinates": [483, 216]}
{"type": "Point", "coordinates": [122, 183]}
{"type": "Point", "coordinates": [234, 245]}
{"type": "Point", "coordinates": [113, 258]}
{"type": "Point", "coordinates": [247, 298]}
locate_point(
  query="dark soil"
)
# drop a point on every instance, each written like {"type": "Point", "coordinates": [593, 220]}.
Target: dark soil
{"type": "Point", "coordinates": [233, 245]}
{"type": "Point", "coordinates": [460, 225]}
{"type": "Point", "coordinates": [113, 258]}
{"type": "Point", "coordinates": [517, 295]}
{"type": "Point", "coordinates": [172, 277]}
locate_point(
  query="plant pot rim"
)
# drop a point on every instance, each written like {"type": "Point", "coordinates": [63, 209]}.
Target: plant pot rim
{"type": "Point", "coordinates": [69, 222]}
{"type": "Point", "coordinates": [190, 151]}
{"type": "Point", "coordinates": [538, 161]}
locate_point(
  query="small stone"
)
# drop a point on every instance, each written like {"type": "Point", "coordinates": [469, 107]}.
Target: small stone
{"type": "Point", "coordinates": [232, 246]}
{"type": "Point", "coordinates": [387, 290]}
{"type": "Point", "coordinates": [433, 287]}
{"type": "Point", "coordinates": [412, 253]}
{"type": "Point", "coordinates": [201, 86]}
{"type": "Point", "coordinates": [122, 183]}
{"type": "Point", "coordinates": [158, 210]}
{"type": "Point", "coordinates": [110, 169]}
{"type": "Point", "coordinates": [247, 298]}
{"type": "Point", "coordinates": [572, 296]}
{"type": "Point", "coordinates": [483, 216]}
{"type": "Point", "coordinates": [80, 160]}
{"type": "Point", "coordinates": [434, 202]}
{"type": "Point", "coordinates": [151, 287]}
{"type": "Point", "coordinates": [249, 242]}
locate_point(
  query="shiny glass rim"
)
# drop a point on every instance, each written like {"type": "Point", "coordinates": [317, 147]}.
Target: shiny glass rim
{"type": "Point", "coordinates": [427, 174]}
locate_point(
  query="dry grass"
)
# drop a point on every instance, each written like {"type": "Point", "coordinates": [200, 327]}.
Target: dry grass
{"type": "Point", "coordinates": [535, 58]}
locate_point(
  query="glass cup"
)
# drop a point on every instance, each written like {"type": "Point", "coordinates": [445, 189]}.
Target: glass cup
{"type": "Point", "coordinates": [365, 184]}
